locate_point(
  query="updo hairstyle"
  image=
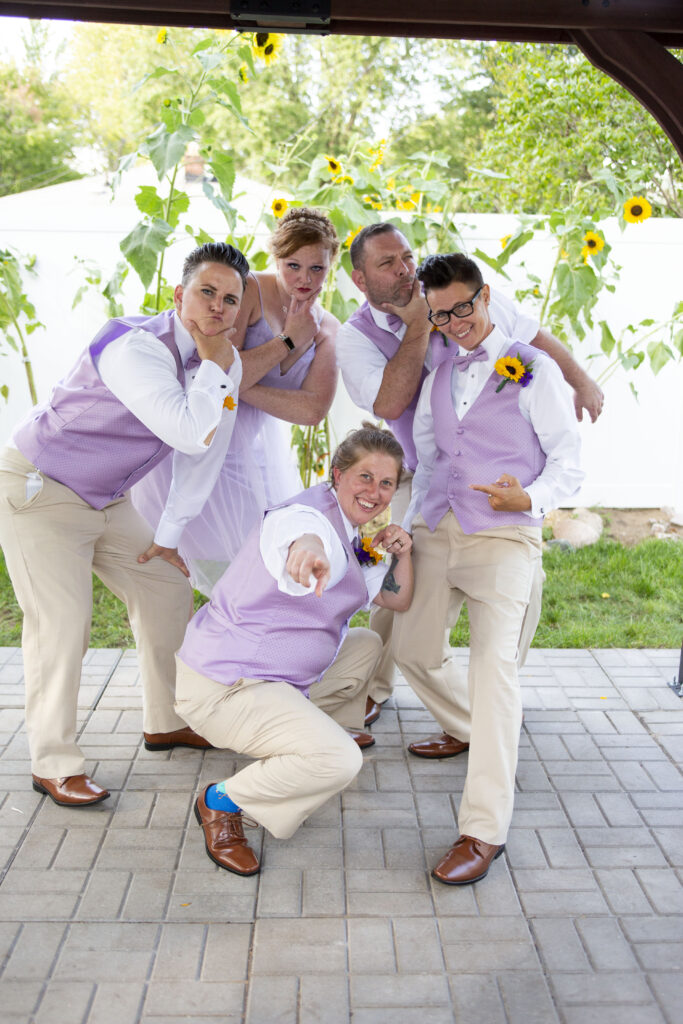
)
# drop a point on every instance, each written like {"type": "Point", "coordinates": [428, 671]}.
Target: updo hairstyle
{"type": "Point", "coordinates": [367, 439]}
{"type": "Point", "coordinates": [303, 226]}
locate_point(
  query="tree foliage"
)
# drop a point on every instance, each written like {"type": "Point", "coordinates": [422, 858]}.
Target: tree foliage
{"type": "Point", "coordinates": [556, 121]}
{"type": "Point", "coordinates": [516, 126]}
{"type": "Point", "coordinates": [37, 135]}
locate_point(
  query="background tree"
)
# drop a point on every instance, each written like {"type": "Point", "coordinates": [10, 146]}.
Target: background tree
{"type": "Point", "coordinates": [37, 134]}
{"type": "Point", "coordinates": [556, 121]}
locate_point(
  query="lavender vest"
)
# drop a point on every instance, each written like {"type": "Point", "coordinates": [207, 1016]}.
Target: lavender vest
{"type": "Point", "coordinates": [252, 629]}
{"type": "Point", "coordinates": [492, 438]}
{"type": "Point", "coordinates": [83, 436]}
{"type": "Point", "coordinates": [389, 344]}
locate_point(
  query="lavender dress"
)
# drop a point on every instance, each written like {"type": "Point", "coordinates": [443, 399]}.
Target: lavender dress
{"type": "Point", "coordinates": [259, 471]}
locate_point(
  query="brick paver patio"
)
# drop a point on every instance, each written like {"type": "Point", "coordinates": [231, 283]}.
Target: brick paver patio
{"type": "Point", "coordinates": [114, 915]}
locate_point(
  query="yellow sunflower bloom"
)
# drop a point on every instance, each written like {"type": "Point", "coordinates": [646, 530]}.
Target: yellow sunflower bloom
{"type": "Point", "coordinates": [279, 207]}
{"type": "Point", "coordinates": [405, 204]}
{"type": "Point", "coordinates": [504, 240]}
{"type": "Point", "coordinates": [343, 179]}
{"type": "Point", "coordinates": [230, 403]}
{"type": "Point", "coordinates": [391, 183]}
{"type": "Point", "coordinates": [320, 469]}
{"type": "Point", "coordinates": [333, 165]}
{"type": "Point", "coordinates": [265, 45]}
{"type": "Point", "coordinates": [378, 154]}
{"type": "Point", "coordinates": [162, 36]}
{"type": "Point", "coordinates": [510, 367]}
{"type": "Point", "coordinates": [373, 201]}
{"type": "Point", "coordinates": [243, 73]}
{"type": "Point", "coordinates": [594, 243]}
{"type": "Point", "coordinates": [350, 237]}
{"type": "Point", "coordinates": [564, 255]}
{"type": "Point", "coordinates": [637, 209]}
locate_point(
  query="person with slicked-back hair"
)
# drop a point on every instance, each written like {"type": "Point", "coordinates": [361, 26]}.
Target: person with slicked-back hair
{"type": "Point", "coordinates": [289, 376]}
{"type": "Point", "coordinates": [144, 387]}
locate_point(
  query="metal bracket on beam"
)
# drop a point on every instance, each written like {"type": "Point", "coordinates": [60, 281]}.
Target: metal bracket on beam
{"type": "Point", "coordinates": [280, 15]}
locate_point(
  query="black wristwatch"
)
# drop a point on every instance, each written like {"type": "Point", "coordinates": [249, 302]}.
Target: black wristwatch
{"type": "Point", "coordinates": [288, 341]}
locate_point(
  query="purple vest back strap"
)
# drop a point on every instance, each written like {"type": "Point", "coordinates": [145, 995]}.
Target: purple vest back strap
{"type": "Point", "coordinates": [253, 630]}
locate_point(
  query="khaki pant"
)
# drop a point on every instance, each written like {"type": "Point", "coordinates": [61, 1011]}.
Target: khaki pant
{"type": "Point", "coordinates": [53, 541]}
{"type": "Point", "coordinates": [493, 572]}
{"type": "Point", "coordinates": [382, 619]}
{"type": "Point", "coordinates": [304, 755]}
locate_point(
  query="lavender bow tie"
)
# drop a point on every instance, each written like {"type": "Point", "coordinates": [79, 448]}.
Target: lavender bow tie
{"type": "Point", "coordinates": [394, 322]}
{"type": "Point", "coordinates": [462, 362]}
{"type": "Point", "coordinates": [194, 361]}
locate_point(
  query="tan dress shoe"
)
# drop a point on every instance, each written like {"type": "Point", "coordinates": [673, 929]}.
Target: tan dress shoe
{"type": "Point", "coordinates": [72, 791]}
{"type": "Point", "coordinates": [372, 711]}
{"type": "Point", "coordinates": [438, 746]}
{"type": "Point", "coordinates": [467, 861]}
{"type": "Point", "coordinates": [180, 738]}
{"type": "Point", "coordinates": [363, 739]}
{"type": "Point", "coordinates": [224, 838]}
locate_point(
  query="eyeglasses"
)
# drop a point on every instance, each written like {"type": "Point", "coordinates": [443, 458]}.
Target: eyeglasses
{"type": "Point", "coordinates": [460, 310]}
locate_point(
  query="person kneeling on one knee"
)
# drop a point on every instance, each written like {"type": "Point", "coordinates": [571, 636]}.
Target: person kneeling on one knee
{"type": "Point", "coordinates": [269, 668]}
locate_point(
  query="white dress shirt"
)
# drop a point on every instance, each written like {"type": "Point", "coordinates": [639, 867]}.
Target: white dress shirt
{"type": "Point", "coordinates": [141, 372]}
{"type": "Point", "coordinates": [362, 364]}
{"type": "Point", "coordinates": [545, 403]}
{"type": "Point", "coordinates": [283, 526]}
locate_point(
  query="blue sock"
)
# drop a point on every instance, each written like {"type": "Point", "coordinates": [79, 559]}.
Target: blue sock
{"type": "Point", "coordinates": [218, 800]}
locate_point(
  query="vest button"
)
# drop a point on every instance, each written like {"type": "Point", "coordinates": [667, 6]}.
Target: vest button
{"type": "Point", "coordinates": [460, 430]}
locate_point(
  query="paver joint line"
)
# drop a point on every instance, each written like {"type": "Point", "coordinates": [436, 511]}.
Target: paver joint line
{"type": "Point", "coordinates": [120, 911]}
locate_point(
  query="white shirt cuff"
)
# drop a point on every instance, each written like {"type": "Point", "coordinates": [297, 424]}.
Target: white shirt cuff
{"type": "Point", "coordinates": [168, 533]}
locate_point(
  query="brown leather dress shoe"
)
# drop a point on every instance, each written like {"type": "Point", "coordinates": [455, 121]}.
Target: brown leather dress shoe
{"type": "Point", "coordinates": [363, 739]}
{"type": "Point", "coordinates": [224, 838]}
{"type": "Point", "coordinates": [372, 711]}
{"type": "Point", "coordinates": [72, 791]}
{"type": "Point", "coordinates": [438, 746]}
{"type": "Point", "coordinates": [467, 861]}
{"type": "Point", "coordinates": [180, 738]}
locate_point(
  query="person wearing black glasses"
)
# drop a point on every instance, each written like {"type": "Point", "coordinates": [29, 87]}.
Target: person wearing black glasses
{"type": "Point", "coordinates": [498, 446]}
{"type": "Point", "coordinates": [385, 351]}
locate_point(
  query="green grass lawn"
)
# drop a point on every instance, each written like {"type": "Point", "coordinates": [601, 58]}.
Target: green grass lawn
{"type": "Point", "coordinates": [644, 607]}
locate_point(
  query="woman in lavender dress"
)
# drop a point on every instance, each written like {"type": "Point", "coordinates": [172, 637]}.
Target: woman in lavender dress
{"type": "Point", "coordinates": [288, 376]}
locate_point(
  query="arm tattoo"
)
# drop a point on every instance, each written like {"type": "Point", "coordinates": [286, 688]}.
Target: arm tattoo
{"type": "Point", "coordinates": [389, 582]}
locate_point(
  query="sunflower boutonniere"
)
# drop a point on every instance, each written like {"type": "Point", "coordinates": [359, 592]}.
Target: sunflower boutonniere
{"type": "Point", "coordinates": [512, 369]}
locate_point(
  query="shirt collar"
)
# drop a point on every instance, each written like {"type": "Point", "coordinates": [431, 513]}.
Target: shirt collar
{"type": "Point", "coordinates": [351, 530]}
{"type": "Point", "coordinates": [183, 339]}
{"type": "Point", "coordinates": [380, 318]}
{"type": "Point", "coordinates": [494, 344]}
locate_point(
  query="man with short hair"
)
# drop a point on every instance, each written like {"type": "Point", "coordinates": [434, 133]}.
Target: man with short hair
{"type": "Point", "coordinates": [498, 446]}
{"type": "Point", "coordinates": [386, 349]}
{"type": "Point", "coordinates": [143, 387]}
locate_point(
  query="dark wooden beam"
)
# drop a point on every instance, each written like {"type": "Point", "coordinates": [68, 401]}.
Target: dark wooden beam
{"type": "Point", "coordinates": [540, 21]}
{"type": "Point", "coordinates": [646, 69]}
